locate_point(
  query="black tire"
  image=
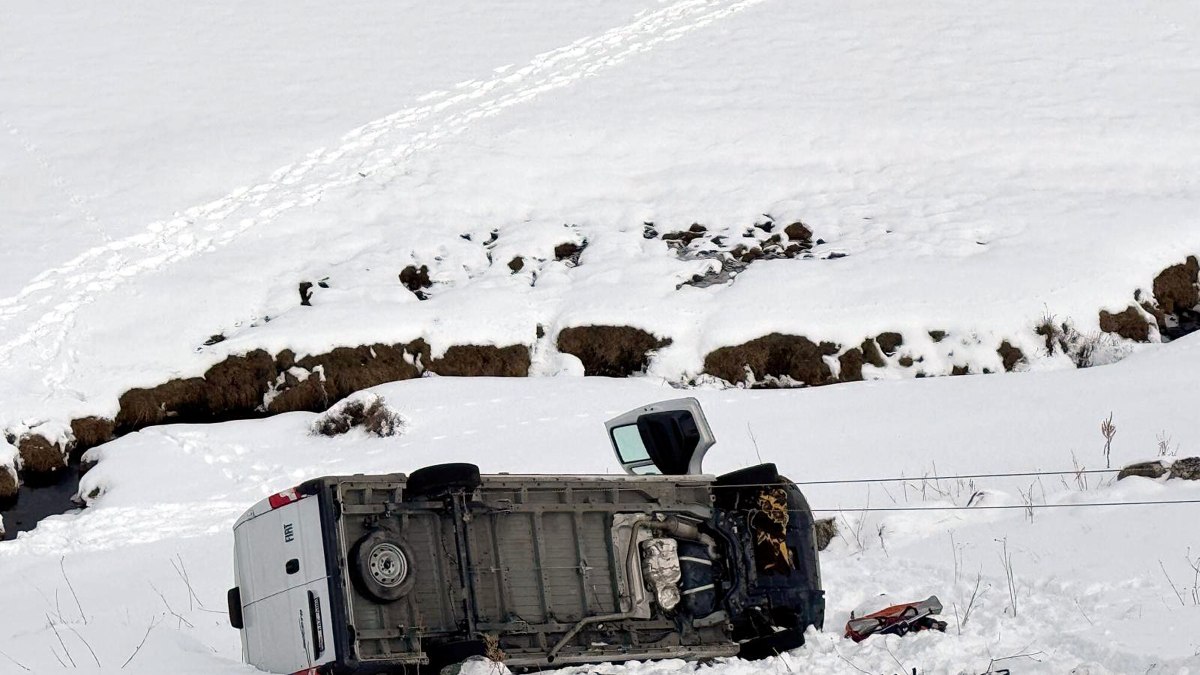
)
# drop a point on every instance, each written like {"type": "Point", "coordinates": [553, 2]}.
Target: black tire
{"type": "Point", "coordinates": [772, 645]}
{"type": "Point", "coordinates": [439, 478]}
{"type": "Point", "coordinates": [762, 474]}
{"type": "Point", "coordinates": [729, 488]}
{"type": "Point", "coordinates": [450, 653]}
{"type": "Point", "coordinates": [381, 566]}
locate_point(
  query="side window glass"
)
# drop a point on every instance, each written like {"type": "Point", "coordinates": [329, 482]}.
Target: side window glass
{"type": "Point", "coordinates": [629, 444]}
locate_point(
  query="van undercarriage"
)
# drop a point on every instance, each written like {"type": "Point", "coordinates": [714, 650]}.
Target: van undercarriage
{"type": "Point", "coordinates": [401, 573]}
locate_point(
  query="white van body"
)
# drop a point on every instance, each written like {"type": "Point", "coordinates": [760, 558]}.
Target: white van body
{"type": "Point", "coordinates": [283, 585]}
{"type": "Point", "coordinates": [391, 573]}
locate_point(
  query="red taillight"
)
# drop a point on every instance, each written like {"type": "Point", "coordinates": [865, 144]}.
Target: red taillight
{"type": "Point", "coordinates": [284, 498]}
{"type": "Point", "coordinates": [307, 671]}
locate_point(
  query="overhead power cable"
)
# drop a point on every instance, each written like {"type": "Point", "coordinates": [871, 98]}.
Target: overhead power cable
{"type": "Point", "coordinates": [967, 476]}
{"type": "Point", "coordinates": [984, 507]}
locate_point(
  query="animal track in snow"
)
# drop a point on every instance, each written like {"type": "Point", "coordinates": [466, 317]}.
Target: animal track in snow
{"type": "Point", "coordinates": [43, 312]}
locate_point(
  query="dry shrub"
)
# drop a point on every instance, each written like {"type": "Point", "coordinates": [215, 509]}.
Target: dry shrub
{"type": "Point", "coordinates": [365, 411]}
{"type": "Point", "coordinates": [825, 529]}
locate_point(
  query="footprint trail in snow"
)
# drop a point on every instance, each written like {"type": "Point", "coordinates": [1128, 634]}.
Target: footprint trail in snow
{"type": "Point", "coordinates": [42, 314]}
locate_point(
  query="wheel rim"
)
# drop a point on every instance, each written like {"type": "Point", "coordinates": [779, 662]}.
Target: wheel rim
{"type": "Point", "coordinates": [387, 565]}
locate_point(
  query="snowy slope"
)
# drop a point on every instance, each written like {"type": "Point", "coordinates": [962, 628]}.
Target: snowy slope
{"type": "Point", "coordinates": [172, 171]}
{"type": "Point", "coordinates": [979, 169]}
{"type": "Point", "coordinates": [171, 494]}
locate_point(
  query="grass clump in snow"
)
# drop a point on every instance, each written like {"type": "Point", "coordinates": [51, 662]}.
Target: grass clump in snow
{"type": "Point", "coordinates": [364, 410]}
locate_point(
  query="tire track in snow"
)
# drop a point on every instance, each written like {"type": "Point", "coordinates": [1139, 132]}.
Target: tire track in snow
{"type": "Point", "coordinates": [56, 295]}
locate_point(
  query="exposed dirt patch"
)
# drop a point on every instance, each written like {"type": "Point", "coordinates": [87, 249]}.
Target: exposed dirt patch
{"type": "Point", "coordinates": [1176, 288]}
{"type": "Point", "coordinates": [569, 252]}
{"type": "Point", "coordinates": [258, 384]}
{"type": "Point", "coordinates": [1173, 306]}
{"type": "Point", "coordinates": [792, 359]}
{"type": "Point", "coordinates": [852, 365]}
{"type": "Point", "coordinates": [890, 342]}
{"type": "Point", "coordinates": [1130, 324]}
{"type": "Point", "coordinates": [1010, 356]}
{"type": "Point", "coordinates": [416, 279]}
{"type": "Point", "coordinates": [516, 264]}
{"type": "Point", "coordinates": [799, 232]}
{"type": "Point", "coordinates": [483, 361]}
{"type": "Point", "coordinates": [346, 370]}
{"type": "Point", "coordinates": [8, 486]}
{"type": "Point", "coordinates": [90, 432]}
{"type": "Point", "coordinates": [40, 456]}
{"type": "Point", "coordinates": [610, 351]}
{"type": "Point", "coordinates": [872, 353]}
{"type": "Point", "coordinates": [232, 389]}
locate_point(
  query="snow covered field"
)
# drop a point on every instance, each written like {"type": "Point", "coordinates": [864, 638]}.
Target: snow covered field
{"type": "Point", "coordinates": [979, 168]}
{"type": "Point", "coordinates": [172, 171]}
{"type": "Point", "coordinates": [1090, 592]}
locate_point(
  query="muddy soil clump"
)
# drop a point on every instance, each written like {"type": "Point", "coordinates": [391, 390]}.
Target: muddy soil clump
{"type": "Point", "coordinates": [610, 351]}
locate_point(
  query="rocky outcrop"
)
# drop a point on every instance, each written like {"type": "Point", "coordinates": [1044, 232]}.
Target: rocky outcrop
{"type": "Point", "coordinates": [1186, 468]}
{"type": "Point", "coordinates": [1151, 470]}
{"type": "Point", "coordinates": [610, 351]}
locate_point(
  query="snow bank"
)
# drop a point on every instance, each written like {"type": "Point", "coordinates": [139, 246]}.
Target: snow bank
{"type": "Point", "coordinates": [968, 178]}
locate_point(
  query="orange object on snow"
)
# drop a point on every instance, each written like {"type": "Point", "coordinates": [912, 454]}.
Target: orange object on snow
{"type": "Point", "coordinates": [897, 620]}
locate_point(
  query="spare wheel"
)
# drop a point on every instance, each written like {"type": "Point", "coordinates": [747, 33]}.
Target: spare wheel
{"type": "Point", "coordinates": [381, 566]}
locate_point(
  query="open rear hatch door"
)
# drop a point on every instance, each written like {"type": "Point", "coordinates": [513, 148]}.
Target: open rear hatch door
{"type": "Point", "coordinates": [668, 438]}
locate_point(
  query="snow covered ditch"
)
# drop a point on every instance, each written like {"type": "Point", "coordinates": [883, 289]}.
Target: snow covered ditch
{"type": "Point", "coordinates": [150, 558]}
{"type": "Point", "coordinates": [252, 384]}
